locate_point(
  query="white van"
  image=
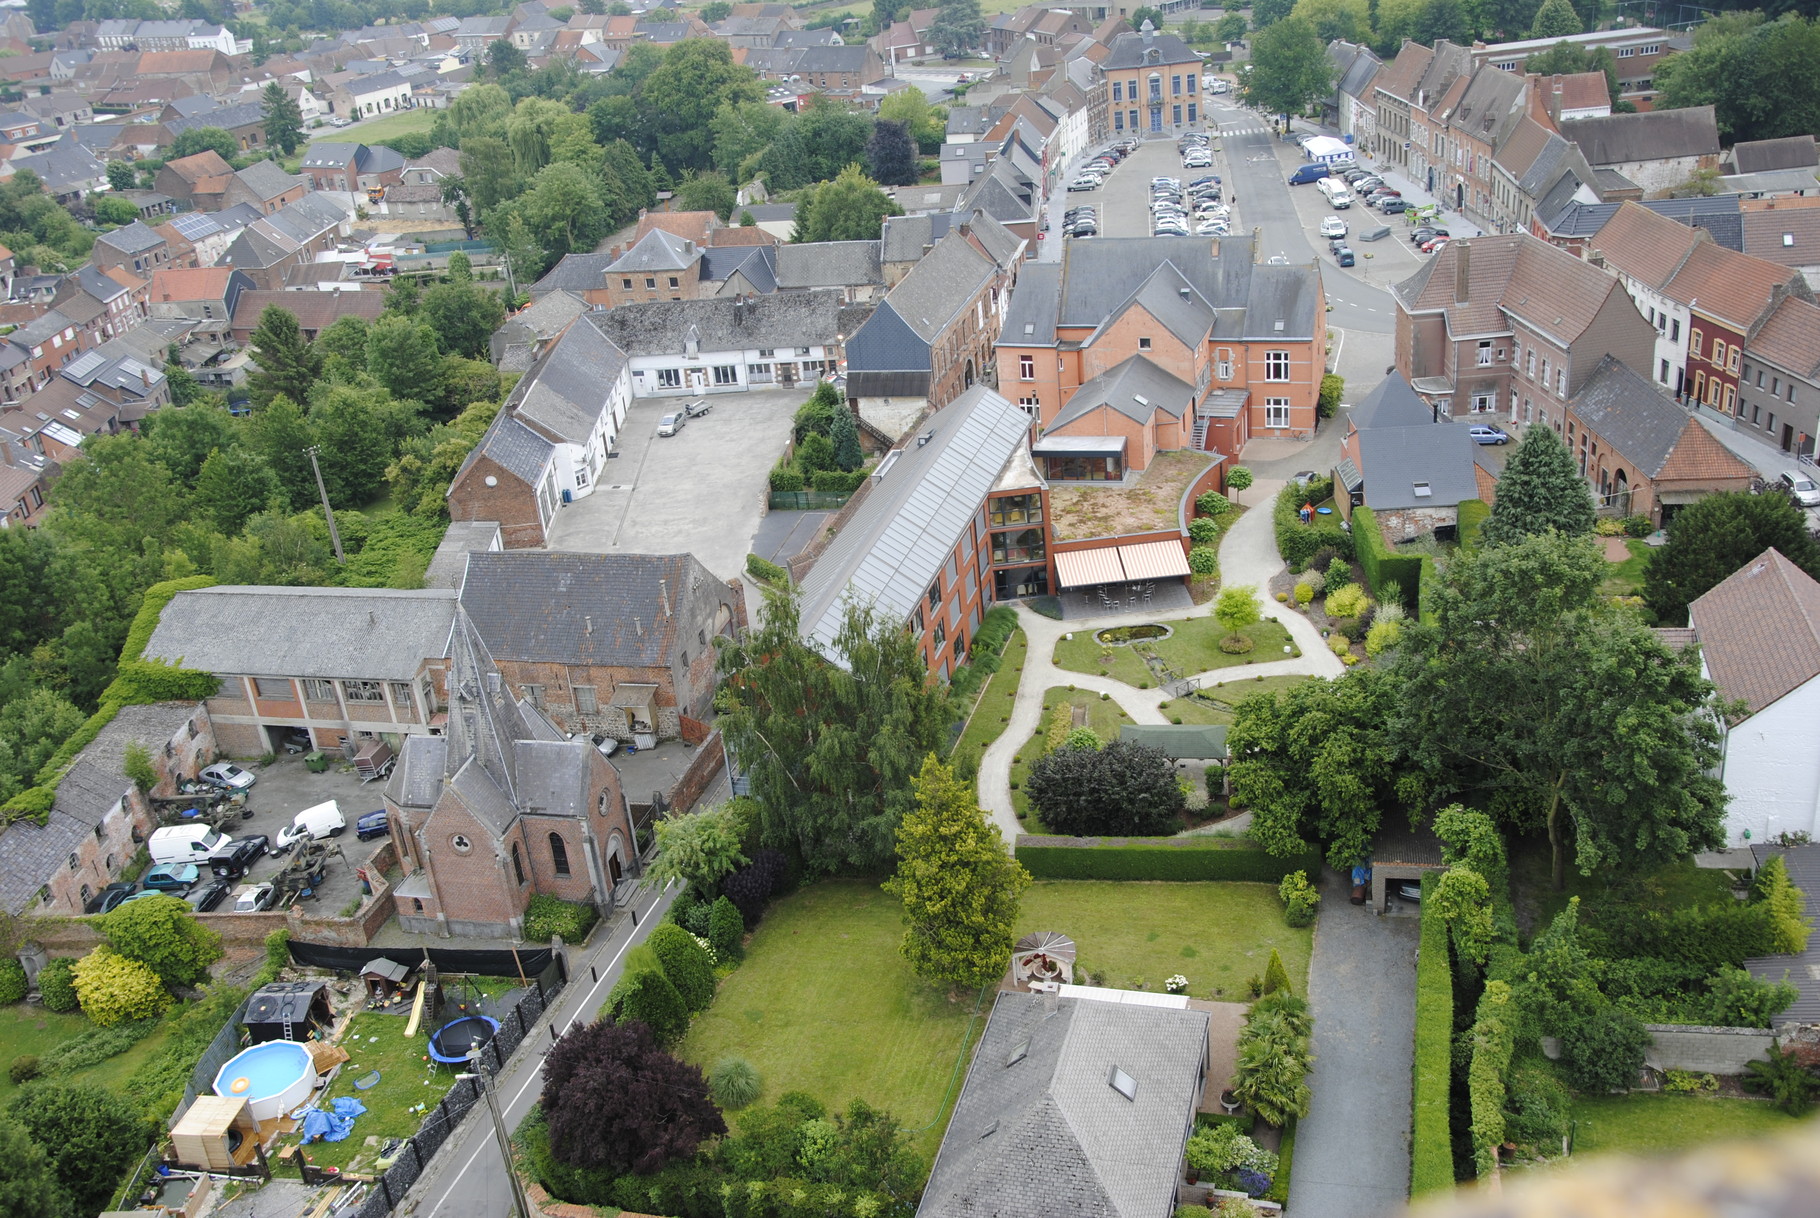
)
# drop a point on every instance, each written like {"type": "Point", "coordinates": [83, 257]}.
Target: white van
{"type": "Point", "coordinates": [323, 820]}
{"type": "Point", "coordinates": [184, 843]}
{"type": "Point", "coordinates": [1338, 196]}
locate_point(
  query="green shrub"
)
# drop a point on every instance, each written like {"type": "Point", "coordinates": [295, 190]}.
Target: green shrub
{"type": "Point", "coordinates": [1279, 1184]}
{"type": "Point", "coordinates": [1638, 526]}
{"type": "Point", "coordinates": [24, 1069]}
{"type": "Point", "coordinates": [277, 956]}
{"type": "Point", "coordinates": [1212, 503]}
{"type": "Point", "coordinates": [838, 481]}
{"type": "Point", "coordinates": [1333, 387]}
{"type": "Point", "coordinates": [1081, 738]}
{"type": "Point", "coordinates": [1787, 906]}
{"type": "Point", "coordinates": [57, 986]}
{"type": "Point", "coordinates": [645, 994]}
{"type": "Point", "coordinates": [1192, 1211]}
{"type": "Point", "coordinates": [734, 1084]}
{"type": "Point", "coordinates": [726, 930]}
{"type": "Point", "coordinates": [1473, 514]}
{"type": "Point", "coordinates": [1602, 1051]}
{"type": "Point", "coordinates": [1431, 1142]}
{"type": "Point", "coordinates": [1538, 1110]}
{"type": "Point", "coordinates": [1300, 900]}
{"type": "Point", "coordinates": [579, 1185]}
{"type": "Point", "coordinates": [1382, 636]}
{"type": "Point", "coordinates": [547, 916]}
{"type": "Point", "coordinates": [766, 570]}
{"type": "Point", "coordinates": [1705, 937]}
{"type": "Point", "coordinates": [1686, 1082]}
{"type": "Point", "coordinates": [1203, 531]}
{"type": "Point", "coordinates": [787, 478]}
{"type": "Point", "coordinates": [1347, 601]}
{"type": "Point", "coordinates": [1339, 644]}
{"type": "Point", "coordinates": [1493, 1039]}
{"type": "Point", "coordinates": [1304, 593]}
{"type": "Point", "coordinates": [157, 1084]}
{"type": "Point", "coordinates": [686, 963]}
{"type": "Point", "coordinates": [1204, 560]}
{"type": "Point", "coordinates": [1298, 542]}
{"type": "Point", "coordinates": [13, 985]}
{"type": "Point", "coordinates": [1189, 859]}
{"type": "Point", "coordinates": [114, 989]}
{"type": "Point", "coordinates": [1789, 1084]}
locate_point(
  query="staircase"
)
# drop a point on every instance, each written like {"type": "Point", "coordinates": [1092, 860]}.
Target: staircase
{"type": "Point", "coordinates": [1200, 435]}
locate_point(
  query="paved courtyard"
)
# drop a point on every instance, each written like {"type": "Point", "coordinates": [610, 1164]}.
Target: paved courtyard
{"type": "Point", "coordinates": [699, 492]}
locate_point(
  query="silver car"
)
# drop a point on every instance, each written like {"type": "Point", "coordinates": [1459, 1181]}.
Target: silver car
{"type": "Point", "coordinates": [671, 423]}
{"type": "Point", "coordinates": [1801, 488]}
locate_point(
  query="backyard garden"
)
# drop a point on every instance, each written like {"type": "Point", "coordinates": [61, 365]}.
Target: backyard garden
{"type": "Point", "coordinates": [1181, 648]}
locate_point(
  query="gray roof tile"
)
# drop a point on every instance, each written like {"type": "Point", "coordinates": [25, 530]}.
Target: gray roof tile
{"type": "Point", "coordinates": [783, 319]}
{"type": "Point", "coordinates": [362, 633]}
{"type": "Point", "coordinates": [828, 264]}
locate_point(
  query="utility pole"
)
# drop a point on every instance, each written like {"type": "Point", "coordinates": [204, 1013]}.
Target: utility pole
{"type": "Point", "coordinates": [334, 534]}
{"type": "Point", "coordinates": [520, 1205]}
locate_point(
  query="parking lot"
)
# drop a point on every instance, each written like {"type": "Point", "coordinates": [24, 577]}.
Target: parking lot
{"type": "Point", "coordinates": [286, 788]}
{"type": "Point", "coordinates": [1123, 199]}
{"type": "Point", "coordinates": [701, 491]}
{"type": "Point", "coordinates": [1389, 260]}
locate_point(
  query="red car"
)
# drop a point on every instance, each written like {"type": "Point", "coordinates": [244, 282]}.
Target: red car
{"type": "Point", "coordinates": [1432, 244]}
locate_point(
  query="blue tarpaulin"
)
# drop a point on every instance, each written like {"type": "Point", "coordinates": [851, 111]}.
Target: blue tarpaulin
{"type": "Point", "coordinates": [335, 1126]}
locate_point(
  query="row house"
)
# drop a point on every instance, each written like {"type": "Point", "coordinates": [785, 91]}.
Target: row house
{"type": "Point", "coordinates": [1353, 110]}
{"type": "Point", "coordinates": [908, 40]}
{"type": "Point", "coordinates": [25, 480]}
{"type": "Point", "coordinates": [1237, 348]}
{"type": "Point", "coordinates": [546, 447]}
{"type": "Point", "coordinates": [1635, 49]}
{"type": "Point", "coordinates": [314, 311]}
{"type": "Point", "coordinates": [1466, 127]}
{"type": "Point", "coordinates": [1509, 326]}
{"type": "Point", "coordinates": [102, 304]}
{"type": "Point", "coordinates": [133, 248]}
{"type": "Point", "coordinates": [100, 818]}
{"type": "Point", "coordinates": [732, 345]}
{"type": "Point", "coordinates": [1402, 92]}
{"type": "Point", "coordinates": [1034, 23]}
{"type": "Point", "coordinates": [101, 392]}
{"type": "Point", "coordinates": [1535, 176]}
{"type": "Point", "coordinates": [334, 165]}
{"type": "Point", "coordinates": [1779, 386]}
{"type": "Point", "coordinates": [31, 355]}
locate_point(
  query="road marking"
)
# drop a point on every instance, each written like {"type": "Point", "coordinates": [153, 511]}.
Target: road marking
{"type": "Point", "coordinates": [536, 1075]}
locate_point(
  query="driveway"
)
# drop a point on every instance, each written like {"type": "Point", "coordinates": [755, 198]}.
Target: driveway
{"type": "Point", "coordinates": [699, 492]}
{"type": "Point", "coordinates": [1352, 1150]}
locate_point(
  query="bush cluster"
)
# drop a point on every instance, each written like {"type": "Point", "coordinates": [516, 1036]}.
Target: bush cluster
{"type": "Point", "coordinates": [1298, 542]}
{"type": "Point", "coordinates": [766, 570]}
{"type": "Point", "coordinates": [1347, 601]}
{"type": "Point", "coordinates": [1188, 859]}
{"type": "Point", "coordinates": [13, 985]}
{"type": "Point", "coordinates": [1300, 900]}
{"type": "Point", "coordinates": [547, 916]}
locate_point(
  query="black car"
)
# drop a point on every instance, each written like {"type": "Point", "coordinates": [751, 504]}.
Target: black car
{"type": "Point", "coordinates": [1422, 236]}
{"type": "Point", "coordinates": [105, 900]}
{"type": "Point", "coordinates": [235, 859]}
{"type": "Point", "coordinates": [207, 896]}
{"type": "Point", "coordinates": [372, 825]}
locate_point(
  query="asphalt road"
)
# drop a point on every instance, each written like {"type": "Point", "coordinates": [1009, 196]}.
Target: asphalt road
{"type": "Point", "coordinates": [466, 1178]}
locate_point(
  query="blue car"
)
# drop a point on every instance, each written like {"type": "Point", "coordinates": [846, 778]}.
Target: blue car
{"type": "Point", "coordinates": [372, 825]}
{"type": "Point", "coordinates": [174, 878]}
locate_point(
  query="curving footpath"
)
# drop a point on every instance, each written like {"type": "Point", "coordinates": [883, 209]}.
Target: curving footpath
{"type": "Point", "coordinates": [1248, 555]}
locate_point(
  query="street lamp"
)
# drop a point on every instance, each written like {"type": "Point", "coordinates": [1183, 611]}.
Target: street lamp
{"type": "Point", "coordinates": [520, 1205]}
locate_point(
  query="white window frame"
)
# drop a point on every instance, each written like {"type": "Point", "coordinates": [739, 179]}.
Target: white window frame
{"type": "Point", "coordinates": [1276, 366]}
{"type": "Point", "coordinates": [1276, 413]}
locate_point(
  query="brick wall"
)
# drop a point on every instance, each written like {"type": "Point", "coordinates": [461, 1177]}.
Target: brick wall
{"type": "Point", "coordinates": [510, 501]}
{"type": "Point", "coordinates": [701, 772]}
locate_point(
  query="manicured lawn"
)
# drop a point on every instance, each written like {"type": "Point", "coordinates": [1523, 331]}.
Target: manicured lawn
{"type": "Point", "coordinates": [1104, 716]}
{"type": "Point", "coordinates": [824, 1003]}
{"type": "Point", "coordinates": [405, 122]}
{"type": "Point", "coordinates": [1660, 1124]}
{"type": "Point", "coordinates": [376, 1041]}
{"type": "Point", "coordinates": [993, 710]}
{"type": "Point", "coordinates": [1626, 578]}
{"type": "Point", "coordinates": [1229, 694]}
{"type": "Point", "coordinates": [34, 1030]}
{"type": "Point", "coordinates": [1215, 935]}
{"type": "Point", "coordinates": [1193, 646]}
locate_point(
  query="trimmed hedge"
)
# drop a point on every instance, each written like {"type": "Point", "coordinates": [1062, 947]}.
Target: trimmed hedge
{"type": "Point", "coordinates": [839, 481]}
{"type": "Point", "coordinates": [1279, 1184]}
{"type": "Point", "coordinates": [787, 478]}
{"type": "Point", "coordinates": [1189, 859]}
{"type": "Point", "coordinates": [1473, 515]}
{"type": "Point", "coordinates": [1431, 1139]}
{"type": "Point", "coordinates": [1296, 541]}
{"type": "Point", "coordinates": [766, 570]}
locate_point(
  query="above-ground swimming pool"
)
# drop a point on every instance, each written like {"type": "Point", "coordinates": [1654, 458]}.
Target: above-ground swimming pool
{"type": "Point", "coordinates": [274, 1077]}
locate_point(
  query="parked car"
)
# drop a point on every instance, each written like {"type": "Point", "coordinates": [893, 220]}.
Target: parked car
{"type": "Point", "coordinates": [671, 423]}
{"type": "Point", "coordinates": [1198, 160]}
{"type": "Point", "coordinates": [228, 776]}
{"type": "Point", "coordinates": [1407, 890]}
{"type": "Point", "coordinates": [174, 878]}
{"type": "Point", "coordinates": [109, 897]}
{"type": "Point", "coordinates": [236, 858]}
{"type": "Point", "coordinates": [1344, 256]}
{"type": "Point", "coordinates": [1425, 234]}
{"type": "Point", "coordinates": [143, 893]}
{"type": "Point", "coordinates": [1485, 433]}
{"type": "Point", "coordinates": [1084, 184]}
{"type": "Point", "coordinates": [209, 895]}
{"type": "Point", "coordinates": [372, 825]}
{"type": "Point", "coordinates": [1432, 244]}
{"type": "Point", "coordinates": [254, 898]}
{"type": "Point", "coordinates": [1393, 206]}
{"type": "Point", "coordinates": [1333, 226]}
{"type": "Point", "coordinates": [1801, 487]}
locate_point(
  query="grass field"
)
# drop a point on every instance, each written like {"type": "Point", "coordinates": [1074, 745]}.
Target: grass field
{"type": "Point", "coordinates": [993, 710]}
{"type": "Point", "coordinates": [1230, 694]}
{"type": "Point", "coordinates": [376, 1041]}
{"type": "Point", "coordinates": [404, 122]}
{"type": "Point", "coordinates": [1660, 1124]}
{"type": "Point", "coordinates": [825, 1004]}
{"type": "Point", "coordinates": [1215, 935]}
{"type": "Point", "coordinates": [1104, 716]}
{"type": "Point", "coordinates": [1192, 647]}
{"type": "Point", "coordinates": [34, 1030]}
{"type": "Point", "coordinates": [1626, 578]}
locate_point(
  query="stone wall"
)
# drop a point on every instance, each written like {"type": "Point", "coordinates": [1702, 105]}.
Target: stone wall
{"type": "Point", "coordinates": [1705, 1050]}
{"type": "Point", "coordinates": [801, 565]}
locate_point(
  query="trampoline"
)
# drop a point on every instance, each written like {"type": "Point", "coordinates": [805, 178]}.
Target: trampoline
{"type": "Point", "coordinates": [455, 1040]}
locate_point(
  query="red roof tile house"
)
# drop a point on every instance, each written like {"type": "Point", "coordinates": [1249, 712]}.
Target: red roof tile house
{"type": "Point", "coordinates": [1641, 452]}
{"type": "Point", "coordinates": [1759, 636]}
{"type": "Point", "coordinates": [1510, 325]}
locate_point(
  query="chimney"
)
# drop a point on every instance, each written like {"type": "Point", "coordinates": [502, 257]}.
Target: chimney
{"type": "Point", "coordinates": [639, 625]}
{"type": "Point", "coordinates": [1052, 997]}
{"type": "Point", "coordinates": [1462, 272]}
{"type": "Point", "coordinates": [663, 589]}
{"type": "Point", "coordinates": [587, 625]}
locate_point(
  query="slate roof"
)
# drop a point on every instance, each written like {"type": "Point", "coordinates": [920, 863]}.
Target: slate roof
{"type": "Point", "coordinates": [1129, 51]}
{"type": "Point", "coordinates": [1790, 152]}
{"type": "Point", "coordinates": [1392, 404]}
{"type": "Point", "coordinates": [575, 273]}
{"type": "Point", "coordinates": [1039, 1131]}
{"type": "Point", "coordinates": [330, 154]}
{"type": "Point", "coordinates": [361, 633]}
{"type": "Point", "coordinates": [227, 118]}
{"type": "Point", "coordinates": [828, 264]}
{"type": "Point", "coordinates": [1167, 296]}
{"type": "Point", "coordinates": [757, 263]}
{"type": "Point", "coordinates": [783, 319]}
{"type": "Point", "coordinates": [886, 343]}
{"type": "Point", "coordinates": [267, 181]}
{"type": "Point", "coordinates": [1652, 135]}
{"type": "Point", "coordinates": [564, 394]}
{"type": "Point", "coordinates": [539, 606]}
{"type": "Point", "coordinates": [519, 450]}
{"type": "Point", "coordinates": [658, 251]}
{"type": "Point", "coordinates": [134, 238]}
{"type": "Point", "coordinates": [63, 167]}
{"type": "Point", "coordinates": [1135, 387]}
{"type": "Point", "coordinates": [1397, 461]}
{"type": "Point", "coordinates": [1759, 630]}
{"type": "Point", "coordinates": [1030, 316]}
{"type": "Point", "coordinates": [940, 285]}
{"type": "Point", "coordinates": [96, 781]}
{"type": "Point", "coordinates": [923, 498]}
{"type": "Point", "coordinates": [1647, 428]}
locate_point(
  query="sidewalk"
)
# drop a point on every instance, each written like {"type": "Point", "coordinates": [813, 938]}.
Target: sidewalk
{"type": "Point", "coordinates": [1760, 455]}
{"type": "Point", "coordinates": [1248, 555]}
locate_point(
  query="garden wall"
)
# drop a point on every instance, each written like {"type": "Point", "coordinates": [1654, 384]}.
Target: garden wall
{"type": "Point", "coordinates": [1186, 859]}
{"type": "Point", "coordinates": [1705, 1050]}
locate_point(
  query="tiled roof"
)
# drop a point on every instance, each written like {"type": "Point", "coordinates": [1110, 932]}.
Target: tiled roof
{"type": "Point", "coordinates": [313, 310]}
{"type": "Point", "coordinates": [1790, 339]}
{"type": "Point", "coordinates": [1789, 236]}
{"type": "Point", "coordinates": [658, 251]}
{"type": "Point", "coordinates": [781, 319]}
{"type": "Point", "coordinates": [1135, 387]}
{"type": "Point", "coordinates": [587, 609]}
{"type": "Point", "coordinates": [1732, 287]}
{"type": "Point", "coordinates": [942, 284]}
{"type": "Point", "coordinates": [828, 264]}
{"type": "Point", "coordinates": [1648, 429]}
{"type": "Point", "coordinates": [267, 181]}
{"type": "Point", "coordinates": [1512, 274]}
{"type": "Point", "coordinates": [1759, 630]}
{"type": "Point", "coordinates": [1583, 91]}
{"type": "Point", "coordinates": [1650, 136]}
{"type": "Point", "coordinates": [362, 633]}
{"type": "Point", "coordinates": [1401, 76]}
{"type": "Point", "coordinates": [1790, 152]}
{"type": "Point", "coordinates": [1646, 246]}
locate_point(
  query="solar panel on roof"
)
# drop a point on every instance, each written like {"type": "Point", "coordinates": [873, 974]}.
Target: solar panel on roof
{"type": "Point", "coordinates": [85, 365]}
{"type": "Point", "coordinates": [194, 225]}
